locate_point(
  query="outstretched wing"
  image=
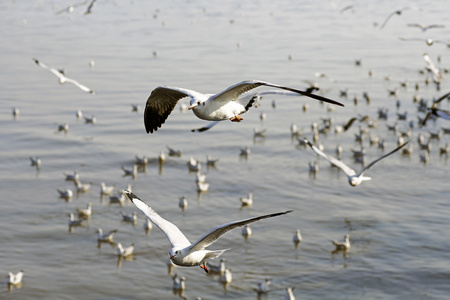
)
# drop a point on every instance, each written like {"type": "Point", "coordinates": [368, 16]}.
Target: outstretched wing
{"type": "Point", "coordinates": [79, 85]}
{"type": "Point", "coordinates": [173, 234]}
{"type": "Point", "coordinates": [160, 104]}
{"type": "Point", "coordinates": [207, 127]}
{"type": "Point", "coordinates": [347, 170]}
{"type": "Point", "coordinates": [218, 231]}
{"type": "Point", "coordinates": [236, 90]}
{"type": "Point", "coordinates": [380, 158]}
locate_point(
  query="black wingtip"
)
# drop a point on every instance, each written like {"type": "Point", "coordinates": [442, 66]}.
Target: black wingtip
{"type": "Point", "coordinates": [130, 195]}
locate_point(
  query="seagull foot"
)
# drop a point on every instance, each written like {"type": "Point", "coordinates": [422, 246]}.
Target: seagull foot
{"type": "Point", "coordinates": [204, 267]}
{"type": "Point", "coordinates": [236, 119]}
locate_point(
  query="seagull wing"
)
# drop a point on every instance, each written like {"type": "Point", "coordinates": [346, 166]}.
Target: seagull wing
{"type": "Point", "coordinates": [380, 158]}
{"type": "Point", "coordinates": [445, 114]}
{"type": "Point", "coordinates": [218, 231]}
{"type": "Point", "coordinates": [347, 170]}
{"type": "Point", "coordinates": [160, 104]}
{"type": "Point", "coordinates": [173, 234]}
{"type": "Point", "coordinates": [349, 123]}
{"type": "Point", "coordinates": [209, 126]}
{"type": "Point", "coordinates": [79, 85]}
{"type": "Point", "coordinates": [387, 19]}
{"type": "Point", "coordinates": [440, 99]}
{"type": "Point", "coordinates": [234, 91]}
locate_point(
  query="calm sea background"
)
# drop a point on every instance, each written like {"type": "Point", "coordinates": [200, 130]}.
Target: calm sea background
{"type": "Point", "coordinates": [398, 222]}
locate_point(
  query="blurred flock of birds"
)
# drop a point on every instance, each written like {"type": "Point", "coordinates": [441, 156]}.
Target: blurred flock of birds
{"type": "Point", "coordinates": [415, 131]}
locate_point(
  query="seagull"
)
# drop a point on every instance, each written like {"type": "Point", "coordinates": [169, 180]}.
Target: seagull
{"type": "Point", "coordinates": [63, 127]}
{"type": "Point", "coordinates": [91, 120]}
{"type": "Point", "coordinates": [81, 188]}
{"type": "Point", "coordinates": [345, 245]}
{"type": "Point", "coordinates": [194, 165]}
{"type": "Point", "coordinates": [225, 105]}
{"type": "Point", "coordinates": [437, 75]}
{"type": "Point", "coordinates": [183, 253]}
{"type": "Point", "coordinates": [72, 177]}
{"type": "Point", "coordinates": [199, 177]}
{"type": "Point", "coordinates": [434, 110]}
{"type": "Point", "coordinates": [129, 218]}
{"type": "Point", "coordinates": [15, 112]}
{"type": "Point", "coordinates": [425, 28]}
{"type": "Point", "coordinates": [141, 160]}
{"type": "Point", "coordinates": [396, 12]}
{"type": "Point", "coordinates": [62, 78]}
{"type": "Point", "coordinates": [106, 190]}
{"type": "Point", "coordinates": [353, 178]}
{"type": "Point", "coordinates": [263, 286]}
{"type": "Point", "coordinates": [173, 152]}
{"type": "Point", "coordinates": [183, 203]}
{"type": "Point", "coordinates": [210, 161]}
{"type": "Point", "coordinates": [297, 238]}
{"type": "Point", "coordinates": [148, 226]}
{"type": "Point", "coordinates": [246, 231]}
{"type": "Point", "coordinates": [247, 201]}
{"type": "Point", "coordinates": [130, 172]}
{"type": "Point", "coordinates": [89, 8]}
{"type": "Point", "coordinates": [119, 199]}
{"type": "Point", "coordinates": [218, 268]}
{"type": "Point", "coordinates": [85, 212]}
{"type": "Point", "coordinates": [65, 194]}
{"type": "Point", "coordinates": [72, 222]}
{"type": "Point", "coordinates": [226, 277]}
{"type": "Point", "coordinates": [15, 279]}
{"type": "Point", "coordinates": [202, 186]}
{"type": "Point", "coordinates": [36, 161]}
{"type": "Point", "coordinates": [105, 237]}
{"type": "Point", "coordinates": [124, 252]}
{"type": "Point", "coordinates": [178, 282]}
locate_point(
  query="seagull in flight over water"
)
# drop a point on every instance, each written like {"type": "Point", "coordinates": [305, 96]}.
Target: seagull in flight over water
{"type": "Point", "coordinates": [225, 105]}
{"type": "Point", "coordinates": [434, 110]}
{"type": "Point", "coordinates": [62, 78]}
{"type": "Point", "coordinates": [183, 253]}
{"type": "Point", "coordinates": [353, 178]}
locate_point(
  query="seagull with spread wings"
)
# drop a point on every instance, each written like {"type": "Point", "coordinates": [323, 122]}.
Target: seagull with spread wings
{"type": "Point", "coordinates": [434, 110]}
{"type": "Point", "coordinates": [63, 78]}
{"type": "Point", "coordinates": [226, 105]}
{"type": "Point", "coordinates": [183, 253]}
{"type": "Point", "coordinates": [353, 178]}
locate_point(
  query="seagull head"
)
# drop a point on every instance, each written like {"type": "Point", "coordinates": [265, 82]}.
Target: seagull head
{"type": "Point", "coordinates": [195, 102]}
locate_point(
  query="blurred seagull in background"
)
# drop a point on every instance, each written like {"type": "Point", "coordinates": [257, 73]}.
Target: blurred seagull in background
{"type": "Point", "coordinates": [62, 78]}
{"type": "Point", "coordinates": [353, 178]}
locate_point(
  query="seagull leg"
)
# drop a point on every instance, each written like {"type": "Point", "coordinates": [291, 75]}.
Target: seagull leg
{"type": "Point", "coordinates": [204, 267]}
{"type": "Point", "coordinates": [236, 119]}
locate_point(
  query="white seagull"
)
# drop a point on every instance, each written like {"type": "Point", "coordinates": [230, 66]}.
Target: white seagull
{"type": "Point", "coordinates": [35, 161]}
{"type": "Point", "coordinates": [345, 245]}
{"type": "Point", "coordinates": [15, 279]}
{"type": "Point", "coordinates": [85, 212]}
{"type": "Point", "coordinates": [124, 252]}
{"type": "Point", "coordinates": [225, 105]}
{"type": "Point", "coordinates": [105, 237]}
{"type": "Point", "coordinates": [105, 189]}
{"type": "Point", "coordinates": [183, 253]}
{"type": "Point", "coordinates": [353, 178]}
{"type": "Point", "coordinates": [62, 78]}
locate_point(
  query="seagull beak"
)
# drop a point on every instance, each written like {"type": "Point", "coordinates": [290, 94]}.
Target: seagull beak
{"type": "Point", "coordinates": [192, 106]}
{"type": "Point", "coordinates": [171, 256]}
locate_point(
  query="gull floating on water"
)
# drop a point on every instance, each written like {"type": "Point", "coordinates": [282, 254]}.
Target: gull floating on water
{"type": "Point", "coordinates": [226, 277]}
{"type": "Point", "coordinates": [178, 282]}
{"type": "Point", "coordinates": [183, 253]}
{"type": "Point", "coordinates": [85, 212]}
{"type": "Point", "coordinates": [297, 238]}
{"type": "Point", "coordinates": [105, 237]}
{"type": "Point", "coordinates": [129, 218]}
{"type": "Point", "coordinates": [72, 177]}
{"type": "Point", "coordinates": [67, 193]}
{"type": "Point", "coordinates": [74, 222]}
{"type": "Point", "coordinates": [62, 78]}
{"type": "Point", "coordinates": [82, 188]}
{"type": "Point", "coordinates": [106, 190]}
{"type": "Point", "coordinates": [353, 178]}
{"type": "Point", "coordinates": [225, 105]}
{"type": "Point", "coordinates": [36, 161]}
{"type": "Point", "coordinates": [247, 202]}
{"type": "Point", "coordinates": [15, 279]}
{"type": "Point", "coordinates": [342, 246]}
{"type": "Point", "coordinates": [124, 252]}
{"type": "Point", "coordinates": [173, 152]}
{"type": "Point", "coordinates": [220, 268]}
{"type": "Point", "coordinates": [263, 286]}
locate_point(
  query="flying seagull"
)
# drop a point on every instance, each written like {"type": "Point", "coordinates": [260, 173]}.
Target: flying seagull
{"type": "Point", "coordinates": [183, 253]}
{"type": "Point", "coordinates": [434, 110]}
{"type": "Point", "coordinates": [62, 78]}
{"type": "Point", "coordinates": [225, 105]}
{"type": "Point", "coordinates": [425, 28]}
{"type": "Point", "coordinates": [396, 12]}
{"type": "Point", "coordinates": [353, 178]}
